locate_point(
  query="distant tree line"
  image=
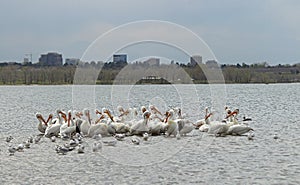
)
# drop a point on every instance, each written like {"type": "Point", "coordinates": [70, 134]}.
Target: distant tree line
{"type": "Point", "coordinates": [124, 73]}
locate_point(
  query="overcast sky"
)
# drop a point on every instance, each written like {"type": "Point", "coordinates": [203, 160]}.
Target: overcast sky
{"type": "Point", "coordinates": [235, 30]}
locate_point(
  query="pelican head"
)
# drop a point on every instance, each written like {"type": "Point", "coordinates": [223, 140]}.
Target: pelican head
{"type": "Point", "coordinates": [146, 115]}
{"type": "Point", "coordinates": [143, 109]}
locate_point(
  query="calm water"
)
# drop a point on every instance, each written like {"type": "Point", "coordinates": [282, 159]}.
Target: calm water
{"type": "Point", "coordinates": [197, 158]}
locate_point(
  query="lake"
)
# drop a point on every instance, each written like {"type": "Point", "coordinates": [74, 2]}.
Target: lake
{"type": "Point", "coordinates": [195, 159]}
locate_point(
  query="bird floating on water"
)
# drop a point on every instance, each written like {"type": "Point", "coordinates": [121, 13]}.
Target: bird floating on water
{"type": "Point", "coordinates": [146, 136]}
{"type": "Point", "coordinates": [8, 139]}
{"type": "Point", "coordinates": [11, 150]}
{"type": "Point", "coordinates": [250, 135]}
{"type": "Point", "coordinates": [80, 149]}
{"type": "Point", "coordinates": [135, 140]}
{"type": "Point", "coordinates": [97, 146]}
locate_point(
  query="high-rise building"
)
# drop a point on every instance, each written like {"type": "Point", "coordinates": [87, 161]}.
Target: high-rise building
{"type": "Point", "coordinates": [51, 59]}
{"type": "Point", "coordinates": [195, 59]}
{"type": "Point", "coordinates": [120, 58]}
{"type": "Point", "coordinates": [72, 61]}
{"type": "Point", "coordinates": [152, 62]}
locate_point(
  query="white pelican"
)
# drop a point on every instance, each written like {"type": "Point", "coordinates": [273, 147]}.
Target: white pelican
{"type": "Point", "coordinates": [239, 129]}
{"type": "Point", "coordinates": [185, 126]}
{"type": "Point", "coordinates": [53, 128]}
{"type": "Point", "coordinates": [172, 127]}
{"type": "Point", "coordinates": [217, 128]}
{"type": "Point", "coordinates": [141, 126]}
{"type": "Point", "coordinates": [201, 122]}
{"type": "Point", "coordinates": [98, 127]}
{"type": "Point", "coordinates": [156, 125]}
{"type": "Point", "coordinates": [69, 127]}
{"type": "Point", "coordinates": [118, 126]}
{"type": "Point", "coordinates": [42, 123]}
{"type": "Point", "coordinates": [86, 123]}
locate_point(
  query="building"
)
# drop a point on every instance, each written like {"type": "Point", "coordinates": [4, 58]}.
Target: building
{"type": "Point", "coordinates": [152, 62]}
{"type": "Point", "coordinates": [212, 64]}
{"type": "Point", "coordinates": [117, 58]}
{"type": "Point", "coordinates": [51, 59]}
{"type": "Point", "coordinates": [72, 61]}
{"type": "Point", "coordinates": [195, 59]}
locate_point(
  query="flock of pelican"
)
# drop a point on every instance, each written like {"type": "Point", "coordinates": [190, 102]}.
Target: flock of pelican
{"type": "Point", "coordinates": [76, 125]}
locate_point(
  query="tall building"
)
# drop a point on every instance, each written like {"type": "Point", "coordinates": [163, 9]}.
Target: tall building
{"type": "Point", "coordinates": [152, 62]}
{"type": "Point", "coordinates": [72, 61]}
{"type": "Point", "coordinates": [51, 59]}
{"type": "Point", "coordinates": [195, 59]}
{"type": "Point", "coordinates": [212, 64]}
{"type": "Point", "coordinates": [120, 58]}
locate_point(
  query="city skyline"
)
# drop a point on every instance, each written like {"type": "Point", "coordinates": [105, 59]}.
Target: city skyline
{"type": "Point", "coordinates": [235, 31]}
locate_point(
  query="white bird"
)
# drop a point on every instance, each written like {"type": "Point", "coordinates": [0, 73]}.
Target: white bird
{"type": "Point", "coordinates": [30, 139]}
{"type": "Point", "coordinates": [8, 139]}
{"type": "Point", "coordinates": [275, 136]}
{"type": "Point", "coordinates": [135, 140]}
{"type": "Point", "coordinates": [80, 149]}
{"type": "Point", "coordinates": [42, 123]}
{"type": "Point", "coordinates": [172, 127]}
{"type": "Point", "coordinates": [201, 122]}
{"type": "Point", "coordinates": [53, 128]}
{"type": "Point", "coordinates": [140, 127]}
{"type": "Point", "coordinates": [146, 136]}
{"type": "Point", "coordinates": [27, 144]}
{"type": "Point", "coordinates": [217, 128]}
{"type": "Point", "coordinates": [37, 139]}
{"type": "Point", "coordinates": [250, 135]}
{"type": "Point", "coordinates": [239, 129]}
{"type": "Point", "coordinates": [61, 150]}
{"type": "Point", "coordinates": [97, 137]}
{"type": "Point", "coordinates": [53, 138]}
{"type": "Point", "coordinates": [99, 127]}
{"type": "Point", "coordinates": [97, 146]}
{"type": "Point", "coordinates": [86, 123]}
{"type": "Point", "coordinates": [69, 127]}
{"type": "Point", "coordinates": [184, 126]}
{"type": "Point", "coordinates": [120, 137]}
{"type": "Point", "coordinates": [20, 147]}
{"type": "Point", "coordinates": [110, 142]}
{"type": "Point", "coordinates": [12, 150]}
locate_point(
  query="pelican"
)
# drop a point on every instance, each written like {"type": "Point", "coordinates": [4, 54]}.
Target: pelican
{"type": "Point", "coordinates": [156, 125]}
{"type": "Point", "coordinates": [85, 124]}
{"type": "Point", "coordinates": [172, 126]}
{"type": "Point", "coordinates": [141, 126]}
{"type": "Point", "coordinates": [201, 122]}
{"type": "Point", "coordinates": [205, 126]}
{"type": "Point", "coordinates": [239, 129]}
{"type": "Point", "coordinates": [69, 127]}
{"type": "Point", "coordinates": [53, 128]}
{"type": "Point", "coordinates": [185, 126]}
{"type": "Point", "coordinates": [42, 123]}
{"type": "Point", "coordinates": [217, 128]}
{"type": "Point", "coordinates": [98, 127]}
{"type": "Point", "coordinates": [119, 126]}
